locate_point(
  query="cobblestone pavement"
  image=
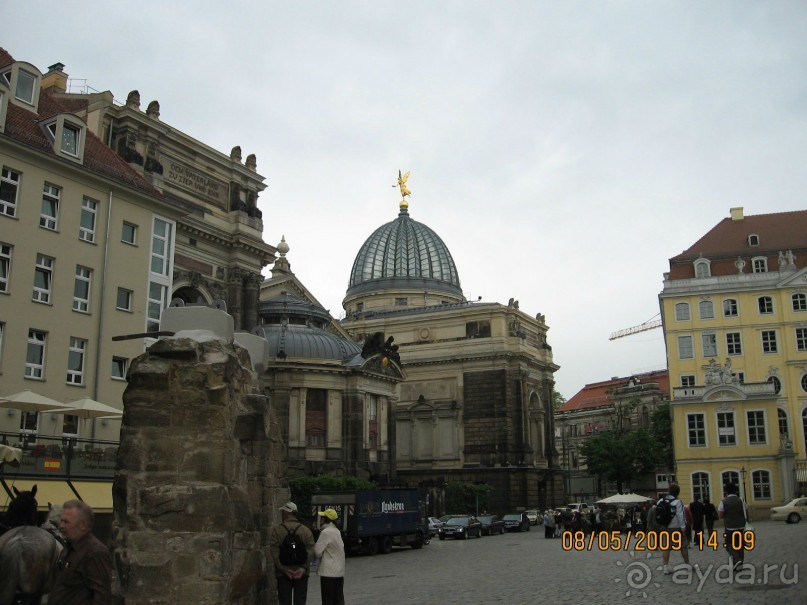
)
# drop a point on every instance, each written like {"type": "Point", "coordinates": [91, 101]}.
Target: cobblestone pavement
{"type": "Point", "coordinates": [525, 568]}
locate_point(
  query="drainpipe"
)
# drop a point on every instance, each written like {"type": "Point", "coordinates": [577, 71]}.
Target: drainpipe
{"type": "Point", "coordinates": [101, 310]}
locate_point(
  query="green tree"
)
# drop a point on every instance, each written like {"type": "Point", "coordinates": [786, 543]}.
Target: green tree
{"type": "Point", "coordinates": [621, 456]}
{"type": "Point", "coordinates": [661, 430]}
{"type": "Point", "coordinates": [557, 400]}
{"type": "Point", "coordinates": [464, 497]}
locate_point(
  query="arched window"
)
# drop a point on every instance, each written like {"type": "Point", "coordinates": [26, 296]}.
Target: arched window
{"type": "Point", "coordinates": [784, 432]}
{"type": "Point", "coordinates": [799, 301]}
{"type": "Point", "coordinates": [731, 308]}
{"type": "Point", "coordinates": [700, 486]}
{"type": "Point", "coordinates": [706, 310]}
{"type": "Point", "coordinates": [804, 424]}
{"type": "Point", "coordinates": [777, 384]}
{"type": "Point", "coordinates": [702, 268]}
{"type": "Point", "coordinates": [727, 478]}
{"type": "Point", "coordinates": [765, 305]}
{"type": "Point", "coordinates": [761, 485]}
{"type": "Point", "coordinates": [682, 311]}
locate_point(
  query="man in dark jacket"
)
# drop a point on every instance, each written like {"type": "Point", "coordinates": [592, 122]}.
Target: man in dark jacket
{"type": "Point", "coordinates": [84, 569]}
{"type": "Point", "coordinates": [697, 509]}
{"type": "Point", "coordinates": [732, 511]}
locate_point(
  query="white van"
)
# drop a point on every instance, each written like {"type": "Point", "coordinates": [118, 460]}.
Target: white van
{"type": "Point", "coordinates": [580, 507]}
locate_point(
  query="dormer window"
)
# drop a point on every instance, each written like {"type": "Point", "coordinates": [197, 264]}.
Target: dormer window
{"type": "Point", "coordinates": [753, 240]}
{"type": "Point", "coordinates": [702, 268]}
{"type": "Point", "coordinates": [26, 83]}
{"type": "Point", "coordinates": [67, 133]}
{"type": "Point", "coordinates": [759, 264]}
{"type": "Point", "coordinates": [23, 81]}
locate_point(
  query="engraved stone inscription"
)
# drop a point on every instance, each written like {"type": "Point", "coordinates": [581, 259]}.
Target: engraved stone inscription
{"type": "Point", "coordinates": [196, 182]}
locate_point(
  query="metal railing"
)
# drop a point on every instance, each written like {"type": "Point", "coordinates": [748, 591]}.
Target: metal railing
{"type": "Point", "coordinates": [57, 457]}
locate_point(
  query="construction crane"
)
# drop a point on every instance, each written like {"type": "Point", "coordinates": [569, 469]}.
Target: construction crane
{"type": "Point", "coordinates": [650, 324]}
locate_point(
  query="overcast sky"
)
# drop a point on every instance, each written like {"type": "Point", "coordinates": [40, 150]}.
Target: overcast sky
{"type": "Point", "coordinates": [564, 151]}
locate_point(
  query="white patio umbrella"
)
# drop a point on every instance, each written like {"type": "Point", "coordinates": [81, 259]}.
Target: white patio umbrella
{"type": "Point", "coordinates": [28, 401]}
{"type": "Point", "coordinates": [87, 408]}
{"type": "Point", "coordinates": [624, 499]}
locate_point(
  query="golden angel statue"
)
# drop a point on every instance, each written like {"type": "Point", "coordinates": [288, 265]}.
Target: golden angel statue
{"type": "Point", "coordinates": [402, 185]}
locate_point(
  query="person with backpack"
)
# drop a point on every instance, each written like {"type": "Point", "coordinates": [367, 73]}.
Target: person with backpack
{"type": "Point", "coordinates": [330, 550]}
{"type": "Point", "coordinates": [292, 547]}
{"type": "Point", "coordinates": [732, 510]}
{"type": "Point", "coordinates": [670, 516]}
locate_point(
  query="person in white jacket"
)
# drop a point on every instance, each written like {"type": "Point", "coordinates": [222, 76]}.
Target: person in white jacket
{"type": "Point", "coordinates": [330, 550]}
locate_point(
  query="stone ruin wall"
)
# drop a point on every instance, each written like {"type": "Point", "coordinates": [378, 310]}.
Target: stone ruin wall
{"type": "Point", "coordinates": [200, 476]}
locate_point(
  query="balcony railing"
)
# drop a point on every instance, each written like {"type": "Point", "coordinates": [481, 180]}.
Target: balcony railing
{"type": "Point", "coordinates": [61, 457]}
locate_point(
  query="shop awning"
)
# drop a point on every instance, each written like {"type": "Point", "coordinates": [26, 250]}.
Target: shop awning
{"type": "Point", "coordinates": [98, 494]}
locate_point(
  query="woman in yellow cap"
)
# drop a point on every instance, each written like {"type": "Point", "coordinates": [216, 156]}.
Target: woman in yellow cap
{"type": "Point", "coordinates": [330, 550]}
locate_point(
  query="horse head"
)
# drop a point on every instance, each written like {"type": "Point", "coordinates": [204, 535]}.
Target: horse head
{"type": "Point", "coordinates": [23, 508]}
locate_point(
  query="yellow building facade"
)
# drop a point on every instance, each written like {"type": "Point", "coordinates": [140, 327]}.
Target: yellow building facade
{"type": "Point", "coordinates": [734, 309]}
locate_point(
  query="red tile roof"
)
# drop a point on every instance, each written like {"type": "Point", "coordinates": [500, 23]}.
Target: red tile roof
{"type": "Point", "coordinates": [23, 127]}
{"type": "Point", "coordinates": [777, 232]}
{"type": "Point", "coordinates": [596, 394]}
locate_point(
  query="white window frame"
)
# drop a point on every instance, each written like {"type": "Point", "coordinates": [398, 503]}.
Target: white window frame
{"type": "Point", "coordinates": [51, 195]}
{"type": "Point", "coordinates": [2, 332]}
{"type": "Point", "coordinates": [799, 302]}
{"type": "Point", "coordinates": [682, 312]}
{"type": "Point", "coordinates": [161, 268]}
{"type": "Point", "coordinates": [83, 276]}
{"type": "Point", "coordinates": [726, 429]}
{"type": "Point", "coordinates": [701, 485]}
{"type": "Point", "coordinates": [33, 79]}
{"type": "Point", "coordinates": [44, 267]}
{"type": "Point", "coordinates": [758, 484]}
{"type": "Point", "coordinates": [734, 347]}
{"type": "Point", "coordinates": [765, 305]}
{"type": "Point", "coordinates": [687, 380]}
{"type": "Point", "coordinates": [733, 307]}
{"type": "Point", "coordinates": [133, 227]}
{"type": "Point", "coordinates": [77, 132]}
{"type": "Point", "coordinates": [123, 364]}
{"type": "Point", "coordinates": [759, 264]}
{"type": "Point", "coordinates": [38, 340]}
{"type": "Point", "coordinates": [770, 343]}
{"type": "Point", "coordinates": [5, 267]}
{"type": "Point", "coordinates": [801, 339]}
{"type": "Point", "coordinates": [89, 208]}
{"type": "Point", "coordinates": [129, 298]}
{"type": "Point", "coordinates": [76, 352]}
{"type": "Point", "coordinates": [10, 179]}
{"type": "Point", "coordinates": [698, 433]}
{"type": "Point", "coordinates": [706, 309]}
{"type": "Point", "coordinates": [703, 268]}
{"type": "Point", "coordinates": [755, 429]}
{"type": "Point", "coordinates": [686, 351]}
{"type": "Point", "coordinates": [709, 344]}
{"type": "Point", "coordinates": [727, 477]}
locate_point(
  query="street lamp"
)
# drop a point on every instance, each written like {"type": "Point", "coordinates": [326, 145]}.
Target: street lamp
{"type": "Point", "coordinates": [743, 472]}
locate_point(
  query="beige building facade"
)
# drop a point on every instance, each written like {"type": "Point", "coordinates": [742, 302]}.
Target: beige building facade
{"type": "Point", "coordinates": [476, 404]}
{"type": "Point", "coordinates": [108, 214]}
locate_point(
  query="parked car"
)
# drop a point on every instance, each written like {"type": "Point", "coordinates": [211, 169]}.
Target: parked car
{"type": "Point", "coordinates": [434, 525]}
{"type": "Point", "coordinates": [491, 524]}
{"type": "Point", "coordinates": [580, 507]}
{"type": "Point", "coordinates": [534, 517]}
{"type": "Point", "coordinates": [445, 518]}
{"type": "Point", "coordinates": [792, 512]}
{"type": "Point", "coordinates": [516, 522]}
{"type": "Point", "coordinates": [460, 527]}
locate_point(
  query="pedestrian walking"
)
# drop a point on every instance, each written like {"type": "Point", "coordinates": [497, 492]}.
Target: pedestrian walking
{"type": "Point", "coordinates": [709, 517]}
{"type": "Point", "coordinates": [698, 510]}
{"type": "Point", "coordinates": [330, 551]}
{"type": "Point", "coordinates": [292, 547]}
{"type": "Point", "coordinates": [732, 511]}
{"type": "Point", "coordinates": [676, 527]}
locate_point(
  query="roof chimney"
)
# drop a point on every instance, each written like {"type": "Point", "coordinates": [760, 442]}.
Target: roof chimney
{"type": "Point", "coordinates": [736, 213]}
{"type": "Point", "coordinates": [55, 78]}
